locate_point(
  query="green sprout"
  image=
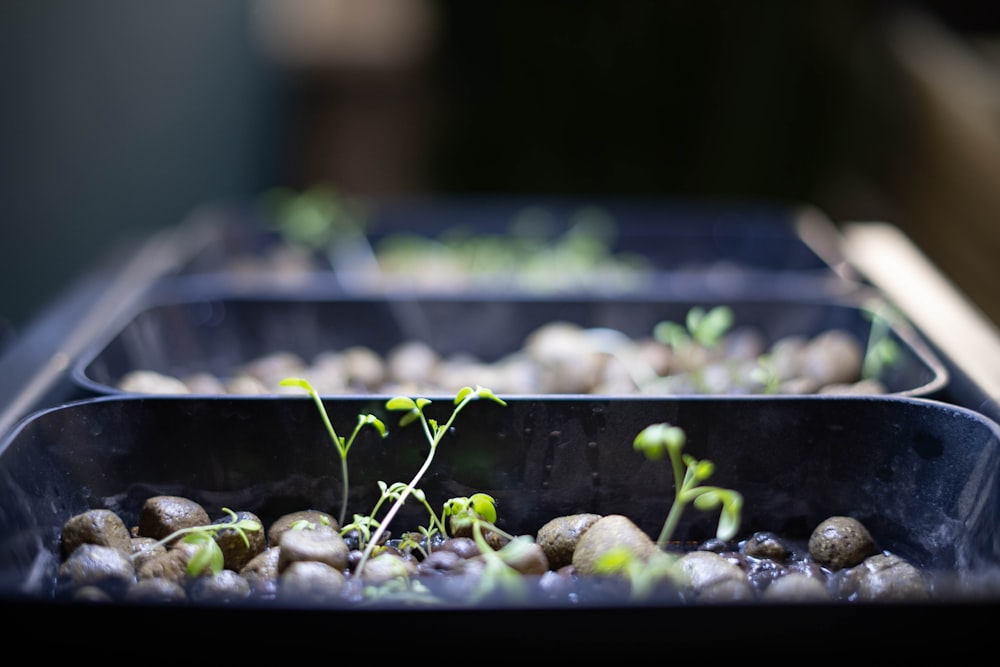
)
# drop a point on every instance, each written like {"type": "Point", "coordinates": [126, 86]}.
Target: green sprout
{"type": "Point", "coordinates": [208, 554]}
{"type": "Point", "coordinates": [462, 513]}
{"type": "Point", "coordinates": [701, 327]}
{"type": "Point", "coordinates": [316, 218]}
{"type": "Point", "coordinates": [364, 524]}
{"type": "Point", "coordinates": [702, 331]}
{"type": "Point", "coordinates": [361, 525]}
{"type": "Point", "coordinates": [343, 445]}
{"type": "Point", "coordinates": [477, 515]}
{"type": "Point", "coordinates": [413, 411]}
{"type": "Point", "coordinates": [415, 541]}
{"type": "Point", "coordinates": [657, 439]}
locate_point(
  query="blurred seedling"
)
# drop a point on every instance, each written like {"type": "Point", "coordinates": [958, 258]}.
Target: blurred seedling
{"type": "Point", "coordinates": [692, 342]}
{"type": "Point", "coordinates": [701, 328]}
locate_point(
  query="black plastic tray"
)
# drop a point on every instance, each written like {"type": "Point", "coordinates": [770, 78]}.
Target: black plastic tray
{"type": "Point", "coordinates": [919, 473]}
{"type": "Point", "coordinates": [658, 245]}
{"type": "Point", "coordinates": [199, 332]}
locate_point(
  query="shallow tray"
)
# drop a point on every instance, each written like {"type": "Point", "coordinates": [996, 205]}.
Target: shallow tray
{"type": "Point", "coordinates": [632, 244]}
{"type": "Point", "coordinates": [920, 474]}
{"type": "Point", "coordinates": [217, 334]}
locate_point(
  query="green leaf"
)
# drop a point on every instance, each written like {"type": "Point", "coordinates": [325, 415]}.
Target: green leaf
{"type": "Point", "coordinates": [707, 500]}
{"type": "Point", "coordinates": [485, 506]}
{"type": "Point", "coordinates": [657, 439]}
{"type": "Point", "coordinates": [693, 318]}
{"type": "Point", "coordinates": [713, 325]}
{"type": "Point", "coordinates": [208, 557]}
{"type": "Point", "coordinates": [670, 334]}
{"type": "Point", "coordinates": [485, 392]}
{"type": "Point", "coordinates": [375, 422]}
{"type": "Point", "coordinates": [401, 403]}
{"type": "Point", "coordinates": [729, 520]}
{"type": "Point", "coordinates": [296, 382]}
{"type": "Point", "coordinates": [453, 506]}
{"type": "Point", "coordinates": [703, 470]}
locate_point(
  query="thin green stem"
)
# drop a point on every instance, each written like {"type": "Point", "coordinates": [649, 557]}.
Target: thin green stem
{"type": "Point", "coordinates": [340, 450]}
{"type": "Point", "coordinates": [682, 475]}
{"type": "Point", "coordinates": [434, 438]}
{"type": "Point", "coordinates": [390, 515]}
{"type": "Point", "coordinates": [670, 525]}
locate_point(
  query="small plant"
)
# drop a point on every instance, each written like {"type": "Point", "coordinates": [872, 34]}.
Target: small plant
{"type": "Point", "coordinates": [702, 328]}
{"type": "Point", "coordinates": [363, 525]}
{"type": "Point", "coordinates": [343, 445]}
{"type": "Point", "coordinates": [209, 554]}
{"type": "Point", "coordinates": [462, 514]}
{"type": "Point", "coordinates": [477, 515]}
{"type": "Point", "coordinates": [413, 411]}
{"type": "Point", "coordinates": [317, 218]}
{"type": "Point", "coordinates": [658, 439]}
{"type": "Point", "coordinates": [702, 331]}
{"type": "Point", "coordinates": [644, 575]}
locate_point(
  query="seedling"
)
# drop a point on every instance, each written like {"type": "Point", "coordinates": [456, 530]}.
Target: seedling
{"type": "Point", "coordinates": [701, 332]}
{"type": "Point", "coordinates": [644, 575]}
{"type": "Point", "coordinates": [415, 541]}
{"type": "Point", "coordinates": [343, 445]}
{"type": "Point", "coordinates": [316, 218]}
{"type": "Point", "coordinates": [364, 524]}
{"type": "Point", "coordinates": [477, 515]}
{"type": "Point", "coordinates": [413, 411]}
{"type": "Point", "coordinates": [209, 554]}
{"type": "Point", "coordinates": [658, 439]}
{"type": "Point", "coordinates": [462, 514]}
{"type": "Point", "coordinates": [701, 327]}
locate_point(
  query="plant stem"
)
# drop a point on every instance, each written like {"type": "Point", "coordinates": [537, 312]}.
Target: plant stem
{"type": "Point", "coordinates": [396, 506]}
{"type": "Point", "coordinates": [673, 517]}
{"type": "Point", "coordinates": [681, 475]}
{"type": "Point", "coordinates": [340, 450]}
{"type": "Point", "coordinates": [434, 438]}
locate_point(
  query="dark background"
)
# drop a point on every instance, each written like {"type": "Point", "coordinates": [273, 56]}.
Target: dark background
{"type": "Point", "coordinates": [119, 118]}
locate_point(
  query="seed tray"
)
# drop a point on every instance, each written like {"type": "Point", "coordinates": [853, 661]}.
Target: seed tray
{"type": "Point", "coordinates": [477, 244]}
{"type": "Point", "coordinates": [920, 474]}
{"type": "Point", "coordinates": [194, 332]}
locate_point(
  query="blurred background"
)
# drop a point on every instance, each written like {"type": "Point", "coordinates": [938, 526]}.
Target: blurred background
{"type": "Point", "coordinates": [119, 117]}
